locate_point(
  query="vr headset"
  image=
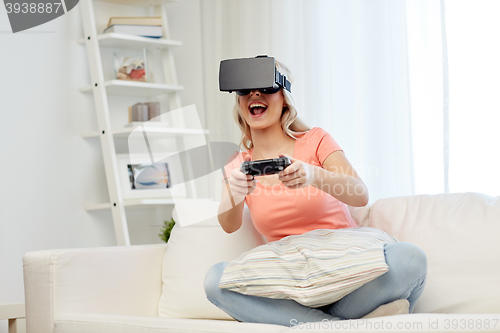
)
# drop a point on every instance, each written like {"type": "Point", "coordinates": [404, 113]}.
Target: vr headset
{"type": "Point", "coordinates": [246, 74]}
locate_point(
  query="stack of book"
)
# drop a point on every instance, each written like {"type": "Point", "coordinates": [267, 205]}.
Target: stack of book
{"type": "Point", "coordinates": [138, 26]}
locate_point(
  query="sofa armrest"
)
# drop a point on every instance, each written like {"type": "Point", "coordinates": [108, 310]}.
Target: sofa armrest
{"type": "Point", "coordinates": [112, 280]}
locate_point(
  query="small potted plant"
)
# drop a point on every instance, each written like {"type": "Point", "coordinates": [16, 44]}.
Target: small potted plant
{"type": "Point", "coordinates": [166, 230]}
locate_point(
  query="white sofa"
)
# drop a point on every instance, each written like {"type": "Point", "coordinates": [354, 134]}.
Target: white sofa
{"type": "Point", "coordinates": [159, 288]}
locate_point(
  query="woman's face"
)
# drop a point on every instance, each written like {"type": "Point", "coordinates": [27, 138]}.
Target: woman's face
{"type": "Point", "coordinates": [261, 110]}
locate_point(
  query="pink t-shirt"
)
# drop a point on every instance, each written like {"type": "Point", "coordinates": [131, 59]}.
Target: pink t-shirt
{"type": "Point", "coordinates": [278, 211]}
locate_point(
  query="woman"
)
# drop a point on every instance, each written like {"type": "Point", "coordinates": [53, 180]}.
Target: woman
{"type": "Point", "coordinates": [312, 193]}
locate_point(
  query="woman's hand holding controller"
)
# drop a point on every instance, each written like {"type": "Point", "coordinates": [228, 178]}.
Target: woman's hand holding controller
{"type": "Point", "coordinates": [298, 174]}
{"type": "Point", "coordinates": [241, 185]}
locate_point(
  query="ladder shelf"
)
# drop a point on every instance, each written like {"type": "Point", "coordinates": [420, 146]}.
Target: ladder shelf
{"type": "Point", "coordinates": [100, 88]}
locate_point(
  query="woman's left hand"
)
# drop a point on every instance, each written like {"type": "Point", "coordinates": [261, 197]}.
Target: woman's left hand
{"type": "Point", "coordinates": [298, 174]}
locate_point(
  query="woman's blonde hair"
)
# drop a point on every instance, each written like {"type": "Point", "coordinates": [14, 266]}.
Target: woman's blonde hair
{"type": "Point", "coordinates": [290, 123]}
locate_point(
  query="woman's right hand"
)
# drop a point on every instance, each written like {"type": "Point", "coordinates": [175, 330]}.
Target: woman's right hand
{"type": "Point", "coordinates": [237, 187]}
{"type": "Point", "coordinates": [241, 185]}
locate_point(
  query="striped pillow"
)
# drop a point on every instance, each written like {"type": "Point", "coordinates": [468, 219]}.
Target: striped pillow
{"type": "Point", "coordinates": [314, 269]}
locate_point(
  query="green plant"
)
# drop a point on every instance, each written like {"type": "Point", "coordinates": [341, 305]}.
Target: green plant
{"type": "Point", "coordinates": [166, 230]}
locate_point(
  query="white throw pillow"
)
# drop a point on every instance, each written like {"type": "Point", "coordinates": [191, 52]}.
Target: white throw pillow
{"type": "Point", "coordinates": [316, 268]}
{"type": "Point", "coordinates": [191, 251]}
{"type": "Point", "coordinates": [460, 234]}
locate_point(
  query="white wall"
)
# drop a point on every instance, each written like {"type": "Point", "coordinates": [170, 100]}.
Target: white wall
{"type": "Point", "coordinates": [48, 171]}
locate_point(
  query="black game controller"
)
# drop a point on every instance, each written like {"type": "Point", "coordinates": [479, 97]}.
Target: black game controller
{"type": "Point", "coordinates": [265, 167]}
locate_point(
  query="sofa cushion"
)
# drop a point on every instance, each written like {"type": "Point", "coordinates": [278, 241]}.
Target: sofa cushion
{"type": "Point", "coordinates": [191, 251]}
{"type": "Point", "coordinates": [360, 215]}
{"type": "Point", "coordinates": [100, 323]}
{"type": "Point", "coordinates": [460, 234]}
{"type": "Point", "coordinates": [411, 323]}
{"type": "Point", "coordinates": [316, 268]}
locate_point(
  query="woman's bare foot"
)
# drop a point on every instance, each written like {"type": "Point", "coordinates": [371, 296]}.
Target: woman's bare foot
{"type": "Point", "coordinates": [400, 306]}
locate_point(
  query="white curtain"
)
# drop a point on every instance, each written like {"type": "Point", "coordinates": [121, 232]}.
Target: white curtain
{"type": "Point", "coordinates": [473, 29]}
{"type": "Point", "coordinates": [428, 93]}
{"type": "Point", "coordinates": [369, 72]}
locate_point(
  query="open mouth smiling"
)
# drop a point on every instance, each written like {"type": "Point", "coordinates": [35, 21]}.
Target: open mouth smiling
{"type": "Point", "coordinates": [257, 108]}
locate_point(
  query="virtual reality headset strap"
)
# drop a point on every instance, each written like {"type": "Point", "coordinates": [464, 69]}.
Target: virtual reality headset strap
{"type": "Point", "coordinates": [283, 81]}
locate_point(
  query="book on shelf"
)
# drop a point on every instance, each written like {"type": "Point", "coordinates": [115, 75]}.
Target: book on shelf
{"type": "Point", "coordinates": [137, 20]}
{"type": "Point", "coordinates": [153, 31]}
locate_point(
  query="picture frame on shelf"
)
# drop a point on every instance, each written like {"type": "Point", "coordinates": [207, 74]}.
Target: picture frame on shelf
{"type": "Point", "coordinates": [141, 179]}
{"type": "Point", "coordinates": [132, 65]}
